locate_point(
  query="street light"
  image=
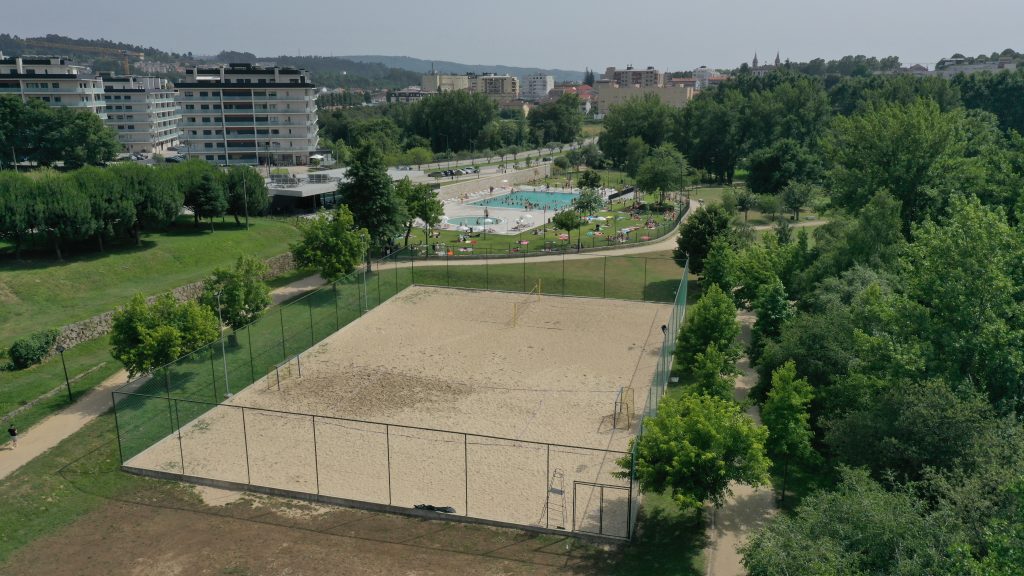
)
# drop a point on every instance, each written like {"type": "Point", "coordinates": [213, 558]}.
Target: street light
{"type": "Point", "coordinates": [67, 382]}
{"type": "Point", "coordinates": [223, 354]}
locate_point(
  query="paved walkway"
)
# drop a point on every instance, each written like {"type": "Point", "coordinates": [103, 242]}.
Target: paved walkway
{"type": "Point", "coordinates": [748, 508]}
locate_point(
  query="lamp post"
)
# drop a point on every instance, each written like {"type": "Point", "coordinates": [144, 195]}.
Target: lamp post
{"type": "Point", "coordinates": [67, 382]}
{"type": "Point", "coordinates": [223, 354]}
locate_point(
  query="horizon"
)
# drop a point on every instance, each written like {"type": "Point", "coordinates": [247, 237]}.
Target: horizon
{"type": "Point", "coordinates": [680, 37]}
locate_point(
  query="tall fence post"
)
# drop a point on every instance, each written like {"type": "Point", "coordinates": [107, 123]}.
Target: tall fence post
{"type": "Point", "coordinates": [252, 363]}
{"type": "Point", "coordinates": [284, 349]}
{"type": "Point", "coordinates": [465, 465]}
{"type": "Point", "coordinates": [378, 284]}
{"type": "Point", "coordinates": [316, 462]}
{"type": "Point", "coordinates": [563, 273]}
{"type": "Point", "coordinates": [644, 293]}
{"type": "Point", "coordinates": [447, 272]}
{"type": "Point", "coordinates": [387, 439]}
{"type": "Point", "coordinates": [604, 279]}
{"type": "Point", "coordinates": [337, 313]}
{"type": "Point", "coordinates": [181, 449]}
{"type": "Point", "coordinates": [213, 374]}
{"type": "Point", "coordinates": [412, 266]}
{"type": "Point", "coordinates": [524, 272]}
{"type": "Point", "coordinates": [487, 271]}
{"type": "Point", "coordinates": [312, 332]}
{"type": "Point", "coordinates": [117, 427]}
{"type": "Point", "coordinates": [245, 440]}
{"type": "Point", "coordinates": [547, 491]}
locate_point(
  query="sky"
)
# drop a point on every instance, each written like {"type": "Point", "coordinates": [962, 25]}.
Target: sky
{"type": "Point", "coordinates": [568, 34]}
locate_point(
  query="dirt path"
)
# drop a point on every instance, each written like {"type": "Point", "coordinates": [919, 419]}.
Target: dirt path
{"type": "Point", "coordinates": [748, 508]}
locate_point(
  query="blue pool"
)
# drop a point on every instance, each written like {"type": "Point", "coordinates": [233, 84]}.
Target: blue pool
{"type": "Point", "coordinates": [474, 220]}
{"type": "Point", "coordinates": [552, 201]}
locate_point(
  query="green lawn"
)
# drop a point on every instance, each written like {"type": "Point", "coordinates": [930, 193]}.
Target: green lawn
{"type": "Point", "coordinates": [43, 293]}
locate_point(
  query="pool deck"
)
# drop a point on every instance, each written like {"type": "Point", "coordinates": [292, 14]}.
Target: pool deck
{"type": "Point", "coordinates": [514, 219]}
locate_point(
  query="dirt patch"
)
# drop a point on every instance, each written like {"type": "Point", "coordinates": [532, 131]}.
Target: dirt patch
{"type": "Point", "coordinates": [273, 538]}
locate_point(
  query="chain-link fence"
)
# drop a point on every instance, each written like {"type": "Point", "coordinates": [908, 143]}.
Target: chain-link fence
{"type": "Point", "coordinates": [174, 420]}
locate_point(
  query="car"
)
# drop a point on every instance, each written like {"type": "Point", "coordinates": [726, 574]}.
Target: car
{"type": "Point", "coordinates": [546, 159]}
{"type": "Point", "coordinates": [437, 174]}
{"type": "Point", "coordinates": [174, 159]}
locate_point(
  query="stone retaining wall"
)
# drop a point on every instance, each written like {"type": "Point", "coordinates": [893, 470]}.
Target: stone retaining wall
{"type": "Point", "coordinates": [78, 332]}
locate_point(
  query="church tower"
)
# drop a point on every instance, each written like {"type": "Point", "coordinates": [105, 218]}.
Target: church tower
{"type": "Point", "coordinates": [755, 60]}
{"type": "Point", "coordinates": [778, 61]}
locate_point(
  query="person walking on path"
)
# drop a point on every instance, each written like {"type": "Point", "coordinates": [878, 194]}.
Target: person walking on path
{"type": "Point", "coordinates": [13, 431]}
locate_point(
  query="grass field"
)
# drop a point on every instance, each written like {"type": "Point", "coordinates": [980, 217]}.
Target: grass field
{"type": "Point", "coordinates": [43, 293]}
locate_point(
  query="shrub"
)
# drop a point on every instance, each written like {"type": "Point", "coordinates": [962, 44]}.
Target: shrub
{"type": "Point", "coordinates": [32, 349]}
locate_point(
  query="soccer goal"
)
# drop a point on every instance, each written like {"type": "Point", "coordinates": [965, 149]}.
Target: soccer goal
{"type": "Point", "coordinates": [623, 409]}
{"type": "Point", "coordinates": [283, 371]}
{"type": "Point", "coordinates": [519, 308]}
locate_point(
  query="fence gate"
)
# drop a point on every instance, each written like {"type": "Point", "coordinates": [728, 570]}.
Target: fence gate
{"type": "Point", "coordinates": [601, 509]}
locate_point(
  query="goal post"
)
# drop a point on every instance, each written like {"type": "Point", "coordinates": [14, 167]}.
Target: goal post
{"type": "Point", "coordinates": [284, 370]}
{"type": "Point", "coordinates": [622, 414]}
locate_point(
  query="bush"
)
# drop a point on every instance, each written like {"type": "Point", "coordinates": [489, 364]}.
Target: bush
{"type": "Point", "coordinates": [31, 350]}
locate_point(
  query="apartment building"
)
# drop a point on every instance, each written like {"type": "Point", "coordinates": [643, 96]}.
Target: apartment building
{"type": "Point", "coordinates": [538, 86]}
{"type": "Point", "coordinates": [248, 114]}
{"type": "Point", "coordinates": [52, 80]}
{"type": "Point", "coordinates": [434, 82]}
{"type": "Point", "coordinates": [503, 87]}
{"type": "Point", "coordinates": [646, 78]}
{"type": "Point", "coordinates": [143, 112]}
{"type": "Point", "coordinates": [607, 94]}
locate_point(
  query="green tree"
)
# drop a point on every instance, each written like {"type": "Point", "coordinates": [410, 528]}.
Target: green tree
{"type": "Point", "coordinates": [590, 179]}
{"type": "Point", "coordinates": [65, 215]}
{"type": "Point", "coordinates": [712, 320]}
{"type": "Point", "coordinates": [331, 243]}
{"type": "Point", "coordinates": [665, 169]}
{"type": "Point", "coordinates": [744, 201]}
{"type": "Point", "coordinates": [420, 201]}
{"type": "Point", "coordinates": [796, 195]}
{"type": "Point", "coordinates": [147, 336]}
{"type": "Point", "coordinates": [634, 152]}
{"type": "Point", "coordinates": [451, 120]}
{"type": "Point", "coordinates": [784, 161]}
{"type": "Point", "coordinates": [20, 209]}
{"type": "Point", "coordinates": [721, 266]}
{"type": "Point", "coordinates": [243, 296]}
{"type": "Point", "coordinates": [772, 308]}
{"type": "Point", "coordinates": [202, 188]}
{"type": "Point", "coordinates": [247, 193]}
{"type": "Point", "coordinates": [113, 211]}
{"type": "Point", "coordinates": [560, 120]}
{"type": "Point", "coordinates": [694, 447]}
{"type": "Point", "coordinates": [370, 196]}
{"type": "Point", "coordinates": [588, 202]}
{"type": "Point", "coordinates": [154, 194]}
{"type": "Point", "coordinates": [768, 204]}
{"type": "Point", "coordinates": [787, 416]}
{"type": "Point", "coordinates": [713, 372]}
{"type": "Point", "coordinates": [698, 233]}
{"type": "Point", "coordinates": [76, 137]}
{"type": "Point", "coordinates": [568, 220]}
{"type": "Point", "coordinates": [857, 528]}
{"type": "Point", "coordinates": [645, 118]}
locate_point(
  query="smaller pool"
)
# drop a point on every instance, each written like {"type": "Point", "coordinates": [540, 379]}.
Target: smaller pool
{"type": "Point", "coordinates": [474, 220]}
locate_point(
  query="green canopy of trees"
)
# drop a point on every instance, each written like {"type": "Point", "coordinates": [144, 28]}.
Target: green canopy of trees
{"type": "Point", "coordinates": [145, 336]}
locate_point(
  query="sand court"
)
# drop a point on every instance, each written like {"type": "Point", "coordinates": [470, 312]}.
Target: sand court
{"type": "Point", "coordinates": [497, 405]}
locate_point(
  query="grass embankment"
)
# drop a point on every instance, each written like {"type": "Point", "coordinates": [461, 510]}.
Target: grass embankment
{"type": "Point", "coordinates": [43, 293]}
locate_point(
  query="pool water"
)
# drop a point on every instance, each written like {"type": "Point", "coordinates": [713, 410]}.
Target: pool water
{"type": "Point", "coordinates": [552, 201]}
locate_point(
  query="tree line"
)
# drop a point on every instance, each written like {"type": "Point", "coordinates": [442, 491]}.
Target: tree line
{"type": "Point", "coordinates": [449, 123]}
{"type": "Point", "coordinates": [887, 346]}
{"type": "Point", "coordinates": [34, 132]}
{"type": "Point", "coordinates": [92, 206]}
{"type": "Point", "coordinates": [774, 127]}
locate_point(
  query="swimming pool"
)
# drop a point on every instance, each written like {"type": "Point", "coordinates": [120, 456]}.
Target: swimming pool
{"type": "Point", "coordinates": [552, 200]}
{"type": "Point", "coordinates": [473, 220]}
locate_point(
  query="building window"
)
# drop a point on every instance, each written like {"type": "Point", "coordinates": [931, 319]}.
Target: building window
{"type": "Point", "coordinates": [56, 98]}
{"type": "Point", "coordinates": [203, 94]}
{"type": "Point", "coordinates": [54, 85]}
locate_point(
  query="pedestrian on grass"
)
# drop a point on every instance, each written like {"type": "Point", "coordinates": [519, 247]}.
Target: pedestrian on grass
{"type": "Point", "coordinates": [13, 431]}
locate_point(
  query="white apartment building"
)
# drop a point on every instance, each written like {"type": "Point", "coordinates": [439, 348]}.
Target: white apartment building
{"type": "Point", "coordinates": [538, 86]}
{"type": "Point", "coordinates": [248, 114]}
{"type": "Point", "coordinates": [52, 80]}
{"type": "Point", "coordinates": [143, 112]}
{"type": "Point", "coordinates": [646, 78]}
{"type": "Point", "coordinates": [502, 87]}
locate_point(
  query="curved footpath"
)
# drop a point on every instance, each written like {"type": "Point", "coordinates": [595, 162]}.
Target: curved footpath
{"type": "Point", "coordinates": [50, 431]}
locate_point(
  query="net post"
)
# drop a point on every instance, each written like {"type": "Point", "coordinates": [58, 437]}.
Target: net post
{"type": "Point", "coordinates": [245, 440]}
{"type": "Point", "coordinates": [312, 335]}
{"type": "Point", "coordinates": [117, 427]}
{"type": "Point", "coordinates": [387, 439]}
{"type": "Point", "coordinates": [465, 464]}
{"type": "Point", "coordinates": [213, 374]}
{"type": "Point", "coordinates": [316, 463]}
{"type": "Point", "coordinates": [284, 350]}
{"type": "Point", "coordinates": [181, 449]}
{"type": "Point", "coordinates": [252, 364]}
{"type": "Point", "coordinates": [337, 312]}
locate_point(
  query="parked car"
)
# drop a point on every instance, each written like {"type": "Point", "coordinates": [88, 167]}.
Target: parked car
{"type": "Point", "coordinates": [174, 159]}
{"type": "Point", "coordinates": [437, 174]}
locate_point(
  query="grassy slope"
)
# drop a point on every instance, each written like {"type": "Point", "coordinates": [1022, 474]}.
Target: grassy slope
{"type": "Point", "coordinates": [43, 293]}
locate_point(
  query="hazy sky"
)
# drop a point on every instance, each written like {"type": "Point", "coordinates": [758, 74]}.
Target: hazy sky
{"type": "Point", "coordinates": [668, 34]}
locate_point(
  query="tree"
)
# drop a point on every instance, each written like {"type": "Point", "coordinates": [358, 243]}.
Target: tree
{"type": "Point", "coordinates": [858, 527]}
{"type": "Point", "coordinates": [451, 120]}
{"type": "Point", "coordinates": [588, 202]}
{"type": "Point", "coordinates": [20, 209]}
{"type": "Point", "coordinates": [76, 137]}
{"type": "Point", "coordinates": [768, 204]}
{"type": "Point", "coordinates": [65, 213]}
{"type": "Point", "coordinates": [243, 294]}
{"type": "Point", "coordinates": [786, 414]}
{"type": "Point", "coordinates": [796, 195]}
{"type": "Point", "coordinates": [784, 161]}
{"type": "Point", "coordinates": [694, 447]}
{"type": "Point", "coordinates": [560, 120]}
{"type": "Point", "coordinates": [645, 118]}
{"type": "Point", "coordinates": [713, 372]}
{"type": "Point", "coordinates": [113, 211]}
{"type": "Point", "coordinates": [247, 193]}
{"type": "Point", "coordinates": [590, 179]}
{"type": "Point", "coordinates": [331, 243]}
{"type": "Point", "coordinates": [147, 336]}
{"type": "Point", "coordinates": [567, 220]}
{"type": "Point", "coordinates": [370, 196]}
{"type": "Point", "coordinates": [155, 195]}
{"type": "Point", "coordinates": [698, 233]}
{"type": "Point", "coordinates": [420, 201]}
{"type": "Point", "coordinates": [634, 152]}
{"type": "Point", "coordinates": [744, 202]}
{"type": "Point", "coordinates": [712, 320]}
{"type": "Point", "coordinates": [665, 169]}
{"type": "Point", "coordinates": [772, 308]}
{"type": "Point", "coordinates": [201, 186]}
{"type": "Point", "coordinates": [588, 77]}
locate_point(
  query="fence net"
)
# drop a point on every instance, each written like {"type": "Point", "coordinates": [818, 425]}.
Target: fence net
{"type": "Point", "coordinates": [174, 420]}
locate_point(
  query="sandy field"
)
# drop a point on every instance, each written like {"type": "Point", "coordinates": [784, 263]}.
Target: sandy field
{"type": "Point", "coordinates": [493, 392]}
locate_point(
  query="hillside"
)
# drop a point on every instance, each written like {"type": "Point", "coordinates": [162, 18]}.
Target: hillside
{"type": "Point", "coordinates": [424, 66]}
